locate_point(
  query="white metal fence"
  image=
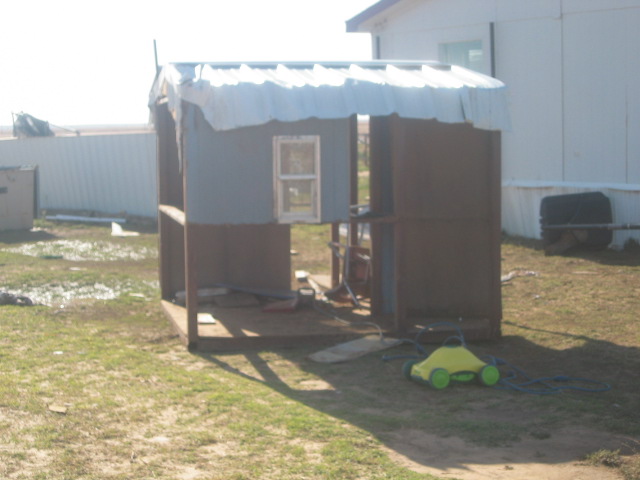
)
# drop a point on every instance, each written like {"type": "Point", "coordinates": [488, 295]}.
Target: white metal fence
{"type": "Point", "coordinates": [112, 173]}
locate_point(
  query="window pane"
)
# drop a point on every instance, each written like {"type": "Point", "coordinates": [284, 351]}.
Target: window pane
{"type": "Point", "coordinates": [464, 54]}
{"type": "Point", "coordinates": [297, 158]}
{"type": "Point", "coordinates": [297, 166]}
{"type": "Point", "coordinates": [298, 196]}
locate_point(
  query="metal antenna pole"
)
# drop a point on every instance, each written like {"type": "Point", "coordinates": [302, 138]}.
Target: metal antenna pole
{"type": "Point", "coordinates": [155, 55]}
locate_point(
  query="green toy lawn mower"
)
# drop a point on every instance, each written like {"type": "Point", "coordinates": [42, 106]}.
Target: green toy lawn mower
{"type": "Point", "coordinates": [450, 363]}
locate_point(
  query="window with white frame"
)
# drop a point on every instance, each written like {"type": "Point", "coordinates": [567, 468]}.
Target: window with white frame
{"type": "Point", "coordinates": [297, 178]}
{"type": "Point", "coordinates": [464, 54]}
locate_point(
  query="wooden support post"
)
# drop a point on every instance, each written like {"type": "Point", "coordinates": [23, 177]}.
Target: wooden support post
{"type": "Point", "coordinates": [191, 287]}
{"type": "Point", "coordinates": [353, 175]}
{"type": "Point", "coordinates": [164, 252]}
{"type": "Point", "coordinates": [335, 261]}
{"type": "Point", "coordinates": [400, 316]}
{"type": "Point", "coordinates": [495, 182]}
{"type": "Point", "coordinates": [380, 191]}
{"type": "Point", "coordinates": [190, 254]}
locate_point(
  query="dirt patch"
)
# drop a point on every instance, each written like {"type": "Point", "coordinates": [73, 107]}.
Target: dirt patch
{"type": "Point", "coordinates": [558, 457]}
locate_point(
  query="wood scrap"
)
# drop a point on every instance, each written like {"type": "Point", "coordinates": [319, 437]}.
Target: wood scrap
{"type": "Point", "coordinates": [205, 318]}
{"type": "Point", "coordinates": [518, 273]}
{"type": "Point", "coordinates": [354, 349]}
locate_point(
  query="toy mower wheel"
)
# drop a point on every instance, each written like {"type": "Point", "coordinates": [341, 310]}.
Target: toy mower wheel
{"type": "Point", "coordinates": [489, 375]}
{"type": "Point", "coordinates": [439, 378]}
{"type": "Point", "coordinates": [406, 368]}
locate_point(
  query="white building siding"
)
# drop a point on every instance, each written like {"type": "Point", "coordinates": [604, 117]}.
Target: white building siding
{"type": "Point", "coordinates": [418, 28]}
{"type": "Point", "coordinates": [595, 97]}
{"type": "Point", "coordinates": [104, 173]}
{"type": "Point", "coordinates": [532, 149]}
{"type": "Point", "coordinates": [572, 70]}
{"type": "Point", "coordinates": [514, 10]}
{"type": "Point", "coordinates": [579, 6]}
{"type": "Point", "coordinates": [632, 62]}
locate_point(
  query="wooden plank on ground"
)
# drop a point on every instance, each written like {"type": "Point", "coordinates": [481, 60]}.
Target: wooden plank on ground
{"type": "Point", "coordinates": [354, 349]}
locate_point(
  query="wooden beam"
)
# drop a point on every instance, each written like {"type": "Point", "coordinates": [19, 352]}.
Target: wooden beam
{"type": "Point", "coordinates": [353, 175]}
{"type": "Point", "coordinates": [164, 252]}
{"type": "Point", "coordinates": [191, 287]}
{"type": "Point", "coordinates": [379, 178]}
{"type": "Point", "coordinates": [190, 234]}
{"type": "Point", "coordinates": [335, 261]}
{"type": "Point", "coordinates": [495, 186]}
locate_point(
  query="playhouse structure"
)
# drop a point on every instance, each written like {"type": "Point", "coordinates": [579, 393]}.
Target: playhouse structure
{"type": "Point", "coordinates": [247, 150]}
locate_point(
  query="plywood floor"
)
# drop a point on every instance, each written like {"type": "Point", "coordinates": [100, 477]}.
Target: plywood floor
{"type": "Point", "coordinates": [249, 327]}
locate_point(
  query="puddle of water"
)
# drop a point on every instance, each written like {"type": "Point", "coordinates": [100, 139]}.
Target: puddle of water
{"type": "Point", "coordinates": [64, 293]}
{"type": "Point", "coordinates": [79, 251]}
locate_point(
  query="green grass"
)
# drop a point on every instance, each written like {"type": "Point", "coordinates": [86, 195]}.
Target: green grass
{"type": "Point", "coordinates": [140, 406]}
{"type": "Point", "coordinates": [310, 244]}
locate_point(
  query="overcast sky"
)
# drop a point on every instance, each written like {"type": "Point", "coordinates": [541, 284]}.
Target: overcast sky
{"type": "Point", "coordinates": [88, 62]}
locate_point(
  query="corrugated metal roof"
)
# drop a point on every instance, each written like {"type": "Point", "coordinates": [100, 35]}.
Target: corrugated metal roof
{"type": "Point", "coordinates": [234, 95]}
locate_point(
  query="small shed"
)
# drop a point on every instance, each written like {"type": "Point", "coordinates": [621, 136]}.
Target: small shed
{"type": "Point", "coordinates": [18, 197]}
{"type": "Point", "coordinates": [245, 150]}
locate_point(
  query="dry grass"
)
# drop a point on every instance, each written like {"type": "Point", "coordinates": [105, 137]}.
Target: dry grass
{"type": "Point", "coordinates": [138, 405]}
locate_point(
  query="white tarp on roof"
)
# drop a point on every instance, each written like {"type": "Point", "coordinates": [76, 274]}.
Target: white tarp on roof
{"type": "Point", "coordinates": [247, 94]}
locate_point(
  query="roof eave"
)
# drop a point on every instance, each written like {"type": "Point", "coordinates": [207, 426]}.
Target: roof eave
{"type": "Point", "coordinates": [353, 25]}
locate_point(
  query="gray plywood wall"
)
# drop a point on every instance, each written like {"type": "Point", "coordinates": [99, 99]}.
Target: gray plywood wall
{"type": "Point", "coordinates": [229, 175]}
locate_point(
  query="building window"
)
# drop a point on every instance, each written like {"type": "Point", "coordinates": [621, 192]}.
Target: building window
{"type": "Point", "coordinates": [297, 178]}
{"type": "Point", "coordinates": [463, 54]}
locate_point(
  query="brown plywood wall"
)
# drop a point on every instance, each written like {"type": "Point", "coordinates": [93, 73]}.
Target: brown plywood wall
{"type": "Point", "coordinates": [441, 171]}
{"type": "Point", "coordinates": [439, 184]}
{"type": "Point", "coordinates": [446, 199]}
{"type": "Point", "coordinates": [256, 256]}
{"type": "Point", "coordinates": [172, 257]}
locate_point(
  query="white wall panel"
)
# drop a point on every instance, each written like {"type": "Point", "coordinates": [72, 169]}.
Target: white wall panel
{"type": "Point", "coordinates": [105, 173]}
{"type": "Point", "coordinates": [595, 121]}
{"type": "Point", "coordinates": [405, 46]}
{"type": "Point", "coordinates": [529, 61]}
{"type": "Point", "coordinates": [576, 6]}
{"type": "Point", "coordinates": [632, 17]}
{"type": "Point", "coordinates": [434, 14]}
{"type": "Point", "coordinates": [509, 10]}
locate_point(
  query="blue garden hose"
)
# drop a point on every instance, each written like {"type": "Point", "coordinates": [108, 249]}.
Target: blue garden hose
{"type": "Point", "coordinates": [516, 379]}
{"type": "Point", "coordinates": [519, 381]}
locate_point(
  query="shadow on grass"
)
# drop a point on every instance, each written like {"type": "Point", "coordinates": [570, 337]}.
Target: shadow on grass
{"type": "Point", "coordinates": [25, 236]}
{"type": "Point", "coordinates": [627, 257]}
{"type": "Point", "coordinates": [467, 423]}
